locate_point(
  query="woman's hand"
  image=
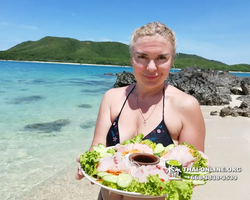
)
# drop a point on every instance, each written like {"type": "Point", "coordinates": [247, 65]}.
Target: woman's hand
{"type": "Point", "coordinates": [79, 174]}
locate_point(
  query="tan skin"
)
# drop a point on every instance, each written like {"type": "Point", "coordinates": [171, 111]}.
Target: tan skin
{"type": "Point", "coordinates": [151, 59]}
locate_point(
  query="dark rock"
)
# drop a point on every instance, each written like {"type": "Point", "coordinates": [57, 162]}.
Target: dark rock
{"type": "Point", "coordinates": [213, 113]}
{"type": "Point", "coordinates": [124, 79]}
{"type": "Point", "coordinates": [236, 91]}
{"type": "Point", "coordinates": [244, 104]}
{"type": "Point", "coordinates": [95, 91]}
{"type": "Point", "coordinates": [243, 110]}
{"type": "Point", "coordinates": [234, 113]}
{"type": "Point", "coordinates": [246, 114]}
{"type": "Point", "coordinates": [85, 106]}
{"type": "Point", "coordinates": [207, 86]}
{"type": "Point", "coordinates": [245, 85]}
{"type": "Point", "coordinates": [204, 85]}
{"type": "Point", "coordinates": [226, 111]}
{"type": "Point", "coordinates": [88, 124]}
{"type": "Point", "coordinates": [110, 74]}
{"type": "Point", "coordinates": [25, 100]}
{"type": "Point", "coordinates": [47, 127]}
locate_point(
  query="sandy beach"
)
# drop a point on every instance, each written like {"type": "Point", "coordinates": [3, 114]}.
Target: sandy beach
{"type": "Point", "coordinates": [227, 145]}
{"type": "Point", "coordinates": [65, 63]}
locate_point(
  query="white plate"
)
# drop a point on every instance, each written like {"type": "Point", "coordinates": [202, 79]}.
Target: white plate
{"type": "Point", "coordinates": [121, 192]}
{"type": "Point", "coordinates": [124, 193]}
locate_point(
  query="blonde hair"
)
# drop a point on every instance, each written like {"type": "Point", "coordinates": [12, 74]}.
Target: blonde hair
{"type": "Point", "coordinates": [153, 29]}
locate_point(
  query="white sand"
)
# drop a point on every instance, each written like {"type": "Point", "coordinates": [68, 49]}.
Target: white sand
{"type": "Point", "coordinates": [227, 145]}
{"type": "Point", "coordinates": [64, 63]}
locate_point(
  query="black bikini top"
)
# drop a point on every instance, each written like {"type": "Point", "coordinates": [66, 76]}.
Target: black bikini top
{"type": "Point", "coordinates": [159, 135]}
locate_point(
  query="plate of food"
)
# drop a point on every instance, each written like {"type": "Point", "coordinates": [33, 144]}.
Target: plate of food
{"type": "Point", "coordinates": [141, 168]}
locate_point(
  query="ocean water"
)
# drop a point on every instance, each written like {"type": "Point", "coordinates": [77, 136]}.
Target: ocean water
{"type": "Point", "coordinates": [32, 93]}
{"type": "Point", "coordinates": [40, 93]}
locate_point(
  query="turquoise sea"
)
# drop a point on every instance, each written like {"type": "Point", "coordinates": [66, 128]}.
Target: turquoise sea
{"type": "Point", "coordinates": [33, 93]}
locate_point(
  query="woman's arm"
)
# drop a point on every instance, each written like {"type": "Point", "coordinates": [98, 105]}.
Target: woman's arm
{"type": "Point", "coordinates": [193, 125]}
{"type": "Point", "coordinates": [103, 124]}
{"type": "Point", "coordinates": [104, 120]}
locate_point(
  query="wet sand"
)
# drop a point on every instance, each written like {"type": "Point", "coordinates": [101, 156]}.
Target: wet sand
{"type": "Point", "coordinates": [227, 145]}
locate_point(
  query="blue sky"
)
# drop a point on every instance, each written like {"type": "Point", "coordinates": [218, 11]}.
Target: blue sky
{"type": "Point", "coordinates": [214, 29]}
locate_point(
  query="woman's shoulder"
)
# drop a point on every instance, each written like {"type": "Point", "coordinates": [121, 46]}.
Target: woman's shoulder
{"type": "Point", "coordinates": [180, 99]}
{"type": "Point", "coordinates": [118, 93]}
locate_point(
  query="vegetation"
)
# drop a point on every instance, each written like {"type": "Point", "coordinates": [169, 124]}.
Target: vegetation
{"type": "Point", "coordinates": [56, 49]}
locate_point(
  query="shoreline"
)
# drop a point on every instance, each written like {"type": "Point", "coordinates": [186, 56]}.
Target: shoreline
{"type": "Point", "coordinates": [85, 64]}
{"type": "Point", "coordinates": [64, 63]}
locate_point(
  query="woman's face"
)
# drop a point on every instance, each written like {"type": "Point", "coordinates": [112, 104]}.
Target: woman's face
{"type": "Point", "coordinates": [152, 58]}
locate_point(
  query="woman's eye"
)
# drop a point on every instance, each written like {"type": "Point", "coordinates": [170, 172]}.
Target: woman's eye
{"type": "Point", "coordinates": [162, 58]}
{"type": "Point", "coordinates": [142, 56]}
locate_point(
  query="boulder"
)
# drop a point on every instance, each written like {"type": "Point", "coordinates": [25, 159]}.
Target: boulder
{"type": "Point", "coordinates": [245, 85]}
{"type": "Point", "coordinates": [209, 87]}
{"type": "Point", "coordinates": [236, 91]}
{"type": "Point", "coordinates": [226, 111]}
{"type": "Point", "coordinates": [243, 110]}
{"type": "Point", "coordinates": [214, 113]}
{"type": "Point", "coordinates": [124, 79]}
{"type": "Point", "coordinates": [205, 85]}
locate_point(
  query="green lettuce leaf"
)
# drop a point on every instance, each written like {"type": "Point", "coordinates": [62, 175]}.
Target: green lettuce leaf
{"type": "Point", "coordinates": [112, 151]}
{"type": "Point", "coordinates": [154, 186]}
{"type": "Point", "coordinates": [180, 190]}
{"type": "Point", "coordinates": [134, 186]}
{"type": "Point", "coordinates": [136, 139]}
{"type": "Point", "coordinates": [149, 143]}
{"type": "Point", "coordinates": [89, 161]}
{"type": "Point", "coordinates": [111, 185]}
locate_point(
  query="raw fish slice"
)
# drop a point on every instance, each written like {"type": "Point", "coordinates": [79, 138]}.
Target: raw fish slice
{"type": "Point", "coordinates": [116, 163]}
{"type": "Point", "coordinates": [182, 154]}
{"type": "Point", "coordinates": [107, 163]}
{"type": "Point", "coordinates": [143, 171]}
{"type": "Point", "coordinates": [131, 147]}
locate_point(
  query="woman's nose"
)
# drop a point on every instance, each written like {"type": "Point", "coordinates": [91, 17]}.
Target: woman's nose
{"type": "Point", "coordinates": [151, 65]}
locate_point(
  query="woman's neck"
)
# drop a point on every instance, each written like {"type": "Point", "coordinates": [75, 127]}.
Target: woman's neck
{"type": "Point", "coordinates": [151, 93]}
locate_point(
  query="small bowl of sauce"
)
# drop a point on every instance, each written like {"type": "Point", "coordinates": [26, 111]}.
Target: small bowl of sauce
{"type": "Point", "coordinates": [144, 159]}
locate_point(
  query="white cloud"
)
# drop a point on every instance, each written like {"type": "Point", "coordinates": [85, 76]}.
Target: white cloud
{"type": "Point", "coordinates": [124, 42]}
{"type": "Point", "coordinates": [87, 39]}
{"type": "Point", "coordinates": [19, 26]}
{"type": "Point", "coordinates": [28, 27]}
{"type": "Point", "coordinates": [104, 39]}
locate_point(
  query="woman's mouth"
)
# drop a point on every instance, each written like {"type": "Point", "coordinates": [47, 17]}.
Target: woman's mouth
{"type": "Point", "coordinates": [150, 77]}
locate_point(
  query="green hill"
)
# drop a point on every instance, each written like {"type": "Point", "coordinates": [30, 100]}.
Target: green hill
{"type": "Point", "coordinates": [57, 49]}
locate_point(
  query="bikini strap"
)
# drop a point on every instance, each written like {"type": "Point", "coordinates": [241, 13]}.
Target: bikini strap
{"type": "Point", "coordinates": [163, 103]}
{"type": "Point", "coordinates": [125, 101]}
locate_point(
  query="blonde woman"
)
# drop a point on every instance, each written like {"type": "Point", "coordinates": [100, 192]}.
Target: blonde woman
{"type": "Point", "coordinates": [160, 111]}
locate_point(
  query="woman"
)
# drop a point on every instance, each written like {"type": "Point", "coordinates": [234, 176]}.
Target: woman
{"type": "Point", "coordinates": [160, 111]}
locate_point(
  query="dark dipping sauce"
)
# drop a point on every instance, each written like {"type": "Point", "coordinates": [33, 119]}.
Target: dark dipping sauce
{"type": "Point", "coordinates": [144, 158]}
